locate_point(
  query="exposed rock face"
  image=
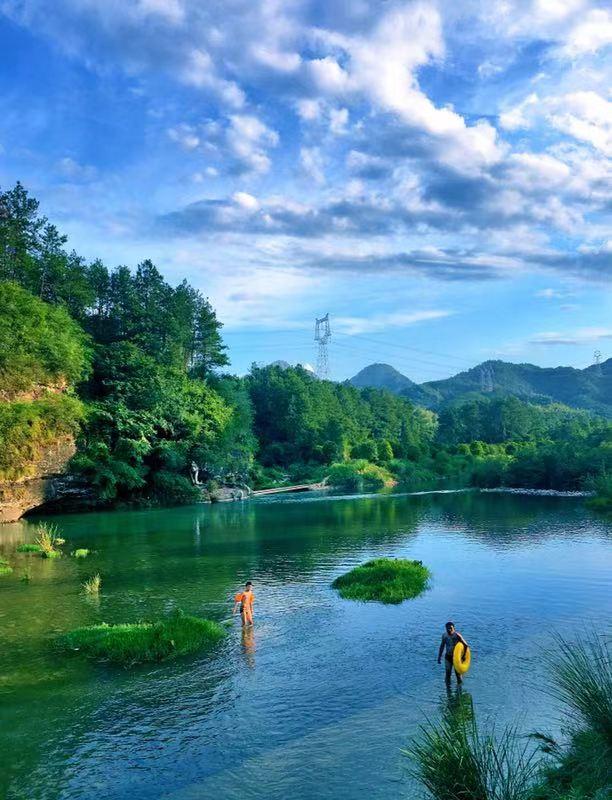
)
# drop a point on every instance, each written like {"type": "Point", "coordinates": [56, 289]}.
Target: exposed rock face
{"type": "Point", "coordinates": [46, 483]}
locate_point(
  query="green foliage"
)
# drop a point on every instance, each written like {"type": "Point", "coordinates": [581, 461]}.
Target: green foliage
{"type": "Point", "coordinates": [358, 475]}
{"type": "Point", "coordinates": [5, 567]}
{"type": "Point", "coordinates": [454, 761]}
{"type": "Point", "coordinates": [27, 428]}
{"type": "Point", "coordinates": [142, 642]}
{"type": "Point", "coordinates": [39, 344]}
{"type": "Point", "coordinates": [582, 681]}
{"type": "Point", "coordinates": [28, 548]}
{"type": "Point", "coordinates": [580, 771]}
{"type": "Point", "coordinates": [49, 540]}
{"type": "Point", "coordinates": [81, 552]}
{"type": "Point", "coordinates": [299, 419]}
{"type": "Point", "coordinates": [386, 580]}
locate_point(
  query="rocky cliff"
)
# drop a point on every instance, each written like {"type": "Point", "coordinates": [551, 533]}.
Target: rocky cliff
{"type": "Point", "coordinates": [45, 483]}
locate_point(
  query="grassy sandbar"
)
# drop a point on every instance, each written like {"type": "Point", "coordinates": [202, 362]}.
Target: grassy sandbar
{"type": "Point", "coordinates": [386, 580]}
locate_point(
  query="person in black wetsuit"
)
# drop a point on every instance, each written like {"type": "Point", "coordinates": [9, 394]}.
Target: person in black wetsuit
{"type": "Point", "coordinates": [450, 639]}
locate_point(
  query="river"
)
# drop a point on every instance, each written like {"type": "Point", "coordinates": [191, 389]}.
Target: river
{"type": "Point", "coordinates": [319, 698]}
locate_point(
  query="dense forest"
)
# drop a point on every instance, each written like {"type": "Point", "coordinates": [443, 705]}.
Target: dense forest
{"type": "Point", "coordinates": [134, 369]}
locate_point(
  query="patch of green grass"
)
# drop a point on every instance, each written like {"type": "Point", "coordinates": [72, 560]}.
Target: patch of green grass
{"type": "Point", "coordinates": [51, 553]}
{"type": "Point", "coordinates": [29, 548]}
{"type": "Point", "coordinates": [141, 642]}
{"type": "Point", "coordinates": [81, 552]}
{"type": "Point", "coordinates": [5, 567]}
{"type": "Point", "coordinates": [456, 762]}
{"type": "Point", "coordinates": [387, 580]}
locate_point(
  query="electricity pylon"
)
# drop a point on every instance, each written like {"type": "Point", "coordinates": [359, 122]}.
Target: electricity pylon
{"type": "Point", "coordinates": [322, 337]}
{"type": "Point", "coordinates": [597, 357]}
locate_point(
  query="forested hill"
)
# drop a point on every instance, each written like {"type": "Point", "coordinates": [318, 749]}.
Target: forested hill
{"type": "Point", "coordinates": [589, 388]}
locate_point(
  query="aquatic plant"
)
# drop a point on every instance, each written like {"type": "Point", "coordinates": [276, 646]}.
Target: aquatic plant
{"type": "Point", "coordinates": [141, 642]}
{"type": "Point", "coordinates": [92, 585]}
{"type": "Point", "coordinates": [81, 552]}
{"type": "Point", "coordinates": [387, 580]}
{"type": "Point", "coordinates": [5, 567]}
{"type": "Point", "coordinates": [49, 540]}
{"type": "Point", "coordinates": [29, 548]}
{"type": "Point", "coordinates": [456, 762]}
{"type": "Point", "coordinates": [26, 576]}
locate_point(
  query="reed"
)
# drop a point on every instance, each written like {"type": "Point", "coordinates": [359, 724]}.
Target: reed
{"type": "Point", "coordinates": [92, 585]}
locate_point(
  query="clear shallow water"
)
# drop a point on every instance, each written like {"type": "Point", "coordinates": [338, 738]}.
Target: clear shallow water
{"type": "Point", "coordinates": [318, 699]}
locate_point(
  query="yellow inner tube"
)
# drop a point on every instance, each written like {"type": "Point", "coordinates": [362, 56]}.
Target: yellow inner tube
{"type": "Point", "coordinates": [458, 664]}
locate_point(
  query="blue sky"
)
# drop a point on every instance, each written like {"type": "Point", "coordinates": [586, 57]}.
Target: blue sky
{"type": "Point", "coordinates": [436, 176]}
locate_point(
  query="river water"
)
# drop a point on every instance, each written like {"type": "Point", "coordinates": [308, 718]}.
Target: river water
{"type": "Point", "coordinates": [319, 698]}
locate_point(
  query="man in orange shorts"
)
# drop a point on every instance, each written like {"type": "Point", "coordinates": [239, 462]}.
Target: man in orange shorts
{"type": "Point", "coordinates": [244, 602]}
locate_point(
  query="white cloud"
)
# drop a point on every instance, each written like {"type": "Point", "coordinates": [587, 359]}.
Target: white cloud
{"type": "Point", "coordinates": [354, 326]}
{"type": "Point", "coordinates": [311, 162]}
{"type": "Point", "coordinates": [590, 33]}
{"type": "Point", "coordinates": [185, 136]}
{"type": "Point", "coordinates": [577, 337]}
{"type": "Point", "coordinates": [246, 201]}
{"type": "Point", "coordinates": [584, 115]}
{"type": "Point", "coordinates": [249, 138]}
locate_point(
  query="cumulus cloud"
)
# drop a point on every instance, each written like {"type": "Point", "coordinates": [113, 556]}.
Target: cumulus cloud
{"type": "Point", "coordinates": [585, 116]}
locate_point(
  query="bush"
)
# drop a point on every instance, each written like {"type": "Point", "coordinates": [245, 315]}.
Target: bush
{"type": "Point", "coordinates": [359, 475]}
{"type": "Point", "coordinates": [169, 487]}
{"type": "Point", "coordinates": [144, 641]}
{"type": "Point", "coordinates": [92, 585]}
{"type": "Point", "coordinates": [387, 580]}
{"type": "Point", "coordinates": [81, 552]}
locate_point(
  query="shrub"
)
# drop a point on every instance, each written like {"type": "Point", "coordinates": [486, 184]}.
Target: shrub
{"type": "Point", "coordinates": [359, 475]}
{"type": "Point", "coordinates": [27, 547]}
{"type": "Point", "coordinates": [81, 552]}
{"type": "Point", "coordinates": [387, 580]}
{"type": "Point", "coordinates": [142, 642]}
{"type": "Point", "coordinates": [5, 568]}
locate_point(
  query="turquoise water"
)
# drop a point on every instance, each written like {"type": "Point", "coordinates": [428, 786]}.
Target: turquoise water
{"type": "Point", "coordinates": [318, 700]}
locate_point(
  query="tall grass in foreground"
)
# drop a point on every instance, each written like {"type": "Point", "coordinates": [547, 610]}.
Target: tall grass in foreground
{"type": "Point", "coordinates": [454, 761]}
{"type": "Point", "coordinates": [582, 682]}
{"type": "Point", "coordinates": [144, 641]}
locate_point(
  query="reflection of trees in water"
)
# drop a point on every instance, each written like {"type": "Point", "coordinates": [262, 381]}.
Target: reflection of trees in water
{"type": "Point", "coordinates": [509, 520]}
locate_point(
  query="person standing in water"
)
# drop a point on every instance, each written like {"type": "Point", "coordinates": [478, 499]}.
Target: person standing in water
{"type": "Point", "coordinates": [244, 601]}
{"type": "Point", "coordinates": [450, 639]}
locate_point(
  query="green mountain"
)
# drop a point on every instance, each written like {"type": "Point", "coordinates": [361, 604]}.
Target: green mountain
{"type": "Point", "coordinates": [589, 388]}
{"type": "Point", "coordinates": [384, 376]}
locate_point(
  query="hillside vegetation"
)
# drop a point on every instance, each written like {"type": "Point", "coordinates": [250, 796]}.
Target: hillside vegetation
{"type": "Point", "coordinates": [134, 366]}
{"type": "Point", "coordinates": [589, 388]}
